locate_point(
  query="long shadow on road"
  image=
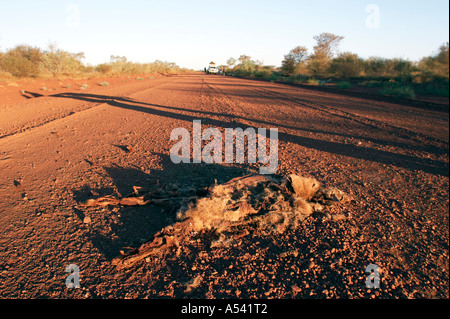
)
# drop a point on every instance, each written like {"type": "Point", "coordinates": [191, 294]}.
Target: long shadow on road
{"type": "Point", "coordinates": [131, 226]}
{"type": "Point", "coordinates": [406, 161]}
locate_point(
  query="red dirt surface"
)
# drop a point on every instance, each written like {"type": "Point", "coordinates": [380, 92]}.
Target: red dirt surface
{"type": "Point", "coordinates": [69, 145]}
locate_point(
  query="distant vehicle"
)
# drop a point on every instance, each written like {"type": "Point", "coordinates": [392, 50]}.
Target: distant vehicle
{"type": "Point", "coordinates": [212, 69]}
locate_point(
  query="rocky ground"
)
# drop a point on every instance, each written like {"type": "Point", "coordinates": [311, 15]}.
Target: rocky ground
{"type": "Point", "coordinates": [61, 148]}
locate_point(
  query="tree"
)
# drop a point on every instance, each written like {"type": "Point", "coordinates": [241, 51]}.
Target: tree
{"type": "Point", "coordinates": [347, 65]}
{"type": "Point", "coordinates": [244, 59]}
{"type": "Point", "coordinates": [293, 61]}
{"type": "Point", "coordinates": [436, 65]}
{"type": "Point", "coordinates": [327, 44]}
{"type": "Point", "coordinates": [118, 59]}
{"type": "Point", "coordinates": [21, 61]}
{"type": "Point", "coordinates": [231, 62]}
{"type": "Point", "coordinates": [57, 61]}
{"type": "Point", "coordinates": [324, 51]}
{"type": "Point", "coordinates": [375, 67]}
{"type": "Point", "coordinates": [246, 66]}
{"type": "Point", "coordinates": [443, 55]}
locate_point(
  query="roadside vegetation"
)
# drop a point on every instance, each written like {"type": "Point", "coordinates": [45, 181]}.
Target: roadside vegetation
{"type": "Point", "coordinates": [325, 65]}
{"type": "Point", "coordinates": [346, 70]}
{"type": "Point", "coordinates": [24, 61]}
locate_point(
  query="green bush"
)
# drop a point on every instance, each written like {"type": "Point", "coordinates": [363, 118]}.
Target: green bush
{"type": "Point", "coordinates": [103, 68]}
{"type": "Point", "coordinates": [374, 84]}
{"type": "Point", "coordinates": [344, 85]}
{"type": "Point", "coordinates": [398, 90]}
{"type": "Point", "coordinates": [324, 82]}
{"type": "Point", "coordinates": [298, 78]}
{"type": "Point", "coordinates": [22, 61]}
{"type": "Point", "coordinates": [432, 89]}
{"type": "Point", "coordinates": [263, 74]}
{"type": "Point", "coordinates": [436, 66]}
{"type": "Point", "coordinates": [346, 65]}
{"type": "Point", "coordinates": [57, 61]}
{"type": "Point", "coordinates": [120, 65]}
{"type": "Point", "coordinates": [388, 68]}
{"type": "Point", "coordinates": [313, 81]}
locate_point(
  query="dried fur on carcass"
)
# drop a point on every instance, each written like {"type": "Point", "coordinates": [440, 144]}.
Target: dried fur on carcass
{"type": "Point", "coordinates": [257, 203]}
{"type": "Point", "coordinates": [269, 203]}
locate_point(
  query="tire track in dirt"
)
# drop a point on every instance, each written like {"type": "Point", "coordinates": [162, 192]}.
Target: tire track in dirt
{"type": "Point", "coordinates": [143, 99]}
{"type": "Point", "coordinates": [373, 123]}
{"type": "Point", "coordinates": [76, 109]}
{"type": "Point", "coordinates": [236, 112]}
{"type": "Point", "coordinates": [435, 145]}
{"type": "Point", "coordinates": [393, 144]}
{"type": "Point", "coordinates": [294, 104]}
{"type": "Point", "coordinates": [333, 111]}
{"type": "Point", "coordinates": [216, 95]}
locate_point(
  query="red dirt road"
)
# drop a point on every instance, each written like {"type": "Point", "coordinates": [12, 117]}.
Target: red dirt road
{"type": "Point", "coordinates": [70, 145]}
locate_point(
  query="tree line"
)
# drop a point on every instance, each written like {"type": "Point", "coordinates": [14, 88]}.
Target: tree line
{"type": "Point", "coordinates": [326, 64]}
{"type": "Point", "coordinates": [29, 61]}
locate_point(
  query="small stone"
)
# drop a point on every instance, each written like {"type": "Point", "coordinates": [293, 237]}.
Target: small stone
{"type": "Point", "coordinates": [296, 288]}
{"type": "Point", "coordinates": [87, 220]}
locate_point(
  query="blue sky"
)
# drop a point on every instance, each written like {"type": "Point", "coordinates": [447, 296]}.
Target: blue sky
{"type": "Point", "coordinates": [192, 33]}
